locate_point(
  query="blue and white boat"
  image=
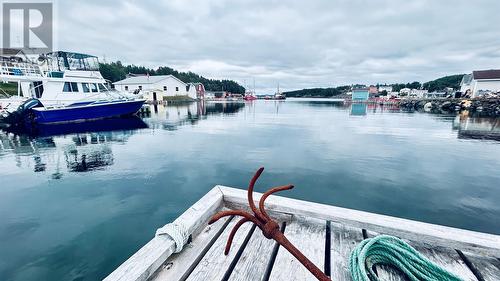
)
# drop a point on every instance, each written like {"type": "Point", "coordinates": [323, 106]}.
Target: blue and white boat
{"type": "Point", "coordinates": [62, 87]}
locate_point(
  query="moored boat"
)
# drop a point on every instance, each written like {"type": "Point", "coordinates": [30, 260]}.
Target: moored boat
{"type": "Point", "coordinates": [80, 112]}
{"type": "Point", "coordinates": [61, 87]}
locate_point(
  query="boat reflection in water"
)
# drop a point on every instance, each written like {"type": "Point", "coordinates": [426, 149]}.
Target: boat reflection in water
{"type": "Point", "coordinates": [477, 127]}
{"type": "Point", "coordinates": [78, 147]}
{"type": "Point", "coordinates": [58, 149]}
{"type": "Point", "coordinates": [104, 125]}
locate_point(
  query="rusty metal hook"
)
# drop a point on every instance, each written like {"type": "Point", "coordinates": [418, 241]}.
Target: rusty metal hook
{"type": "Point", "coordinates": [269, 227]}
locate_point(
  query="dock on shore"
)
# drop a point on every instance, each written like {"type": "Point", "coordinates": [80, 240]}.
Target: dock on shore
{"type": "Point", "coordinates": [325, 234]}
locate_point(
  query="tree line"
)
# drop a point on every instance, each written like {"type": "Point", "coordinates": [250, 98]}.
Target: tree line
{"type": "Point", "coordinates": [452, 81]}
{"type": "Point", "coordinates": [116, 71]}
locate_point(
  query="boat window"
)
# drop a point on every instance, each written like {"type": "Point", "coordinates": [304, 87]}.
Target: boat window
{"type": "Point", "coordinates": [102, 88]}
{"type": "Point", "coordinates": [126, 88]}
{"type": "Point", "coordinates": [176, 89]}
{"type": "Point", "coordinates": [74, 86]}
{"type": "Point", "coordinates": [70, 87]}
{"type": "Point", "coordinates": [93, 87]}
{"type": "Point", "coordinates": [67, 87]}
{"type": "Point", "coordinates": [85, 87]}
{"type": "Point", "coordinates": [164, 88]}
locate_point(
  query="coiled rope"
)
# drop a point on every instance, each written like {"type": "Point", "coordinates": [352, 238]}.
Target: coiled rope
{"type": "Point", "coordinates": [177, 232]}
{"type": "Point", "coordinates": [392, 251]}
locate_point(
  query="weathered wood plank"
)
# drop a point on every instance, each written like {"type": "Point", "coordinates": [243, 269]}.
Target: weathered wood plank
{"type": "Point", "coordinates": [308, 235]}
{"type": "Point", "coordinates": [445, 257]}
{"type": "Point", "coordinates": [471, 241]}
{"type": "Point", "coordinates": [488, 267]}
{"type": "Point", "coordinates": [344, 239]}
{"type": "Point", "coordinates": [178, 266]}
{"type": "Point", "coordinates": [214, 264]}
{"type": "Point", "coordinates": [151, 256]}
{"type": "Point", "coordinates": [254, 260]}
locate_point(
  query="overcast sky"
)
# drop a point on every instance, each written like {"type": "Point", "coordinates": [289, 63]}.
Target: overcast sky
{"type": "Point", "coordinates": [300, 44]}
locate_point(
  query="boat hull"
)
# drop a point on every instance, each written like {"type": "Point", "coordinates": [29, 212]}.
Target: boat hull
{"type": "Point", "coordinates": [86, 112]}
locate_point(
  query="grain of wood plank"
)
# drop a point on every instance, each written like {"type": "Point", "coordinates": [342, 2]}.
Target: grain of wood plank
{"type": "Point", "coordinates": [344, 240]}
{"type": "Point", "coordinates": [445, 257]}
{"type": "Point", "coordinates": [486, 244]}
{"type": "Point", "coordinates": [308, 235]}
{"type": "Point", "coordinates": [214, 264]}
{"type": "Point", "coordinates": [489, 267]}
{"type": "Point", "coordinates": [254, 260]}
{"type": "Point", "coordinates": [178, 266]}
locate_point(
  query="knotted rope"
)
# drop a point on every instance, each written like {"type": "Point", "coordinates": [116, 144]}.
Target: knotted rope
{"type": "Point", "coordinates": [392, 251]}
{"type": "Point", "coordinates": [177, 232]}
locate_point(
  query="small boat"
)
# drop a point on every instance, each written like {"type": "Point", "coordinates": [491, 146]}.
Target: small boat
{"type": "Point", "coordinates": [190, 248]}
{"type": "Point", "coordinates": [61, 87]}
{"type": "Point", "coordinates": [249, 97]}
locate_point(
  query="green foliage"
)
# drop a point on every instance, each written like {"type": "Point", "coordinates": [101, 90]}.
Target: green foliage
{"type": "Point", "coordinates": [8, 89]}
{"type": "Point", "coordinates": [318, 92]}
{"type": "Point", "coordinates": [116, 71]}
{"type": "Point", "coordinates": [452, 81]}
{"type": "Point", "coordinates": [398, 86]}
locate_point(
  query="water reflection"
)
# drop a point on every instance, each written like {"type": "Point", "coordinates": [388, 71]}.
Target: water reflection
{"type": "Point", "coordinates": [358, 109]}
{"type": "Point", "coordinates": [69, 192]}
{"type": "Point", "coordinates": [171, 117]}
{"type": "Point", "coordinates": [477, 127]}
{"type": "Point", "coordinates": [56, 149]}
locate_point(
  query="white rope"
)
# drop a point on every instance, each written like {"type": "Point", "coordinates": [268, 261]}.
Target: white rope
{"type": "Point", "coordinates": [176, 232]}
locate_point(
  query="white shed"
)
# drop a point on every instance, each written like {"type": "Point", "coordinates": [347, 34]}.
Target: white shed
{"type": "Point", "coordinates": [154, 88]}
{"type": "Point", "coordinates": [485, 81]}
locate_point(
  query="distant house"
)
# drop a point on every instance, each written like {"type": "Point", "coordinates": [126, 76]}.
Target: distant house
{"type": "Point", "coordinates": [360, 94]}
{"type": "Point", "coordinates": [372, 90]}
{"type": "Point", "coordinates": [388, 89]}
{"type": "Point", "coordinates": [154, 88]}
{"type": "Point", "coordinates": [481, 81]}
{"type": "Point", "coordinates": [416, 93]}
{"type": "Point", "coordinates": [404, 92]}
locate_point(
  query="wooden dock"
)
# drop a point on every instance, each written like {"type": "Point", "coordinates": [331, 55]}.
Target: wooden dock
{"type": "Point", "coordinates": [325, 234]}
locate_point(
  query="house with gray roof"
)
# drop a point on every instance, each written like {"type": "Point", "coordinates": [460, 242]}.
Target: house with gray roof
{"type": "Point", "coordinates": [155, 88]}
{"type": "Point", "coordinates": [480, 82]}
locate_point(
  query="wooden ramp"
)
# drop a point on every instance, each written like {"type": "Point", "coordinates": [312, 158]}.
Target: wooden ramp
{"type": "Point", "coordinates": [325, 234]}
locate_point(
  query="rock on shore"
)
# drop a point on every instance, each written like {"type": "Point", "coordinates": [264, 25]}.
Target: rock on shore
{"type": "Point", "coordinates": [483, 107]}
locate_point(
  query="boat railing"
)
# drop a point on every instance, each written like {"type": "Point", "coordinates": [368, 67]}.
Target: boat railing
{"type": "Point", "coordinates": [19, 69]}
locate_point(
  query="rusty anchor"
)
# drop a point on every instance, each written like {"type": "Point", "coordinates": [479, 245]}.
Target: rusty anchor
{"type": "Point", "coordinates": [270, 228]}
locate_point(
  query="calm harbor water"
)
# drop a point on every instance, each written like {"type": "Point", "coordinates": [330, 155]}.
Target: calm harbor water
{"type": "Point", "coordinates": [74, 203]}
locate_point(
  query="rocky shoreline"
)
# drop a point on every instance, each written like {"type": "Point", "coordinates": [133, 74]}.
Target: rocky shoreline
{"type": "Point", "coordinates": [481, 107]}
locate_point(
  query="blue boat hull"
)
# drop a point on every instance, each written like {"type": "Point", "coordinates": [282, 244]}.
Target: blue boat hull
{"type": "Point", "coordinates": [86, 112]}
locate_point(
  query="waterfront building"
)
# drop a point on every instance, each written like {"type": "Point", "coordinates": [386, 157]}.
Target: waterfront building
{"type": "Point", "coordinates": [480, 82]}
{"type": "Point", "coordinates": [404, 92]}
{"type": "Point", "coordinates": [417, 93]}
{"type": "Point", "coordinates": [155, 88]}
{"type": "Point", "coordinates": [372, 90]}
{"type": "Point", "coordinates": [388, 89]}
{"type": "Point", "coordinates": [360, 94]}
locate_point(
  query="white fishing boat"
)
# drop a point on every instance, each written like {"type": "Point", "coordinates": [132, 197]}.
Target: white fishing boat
{"type": "Point", "coordinates": [61, 87]}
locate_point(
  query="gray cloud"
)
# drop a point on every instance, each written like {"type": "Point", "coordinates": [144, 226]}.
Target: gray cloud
{"type": "Point", "coordinates": [298, 43]}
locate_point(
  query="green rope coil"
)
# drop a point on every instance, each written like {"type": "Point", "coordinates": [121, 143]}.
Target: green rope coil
{"type": "Point", "coordinates": [392, 251]}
